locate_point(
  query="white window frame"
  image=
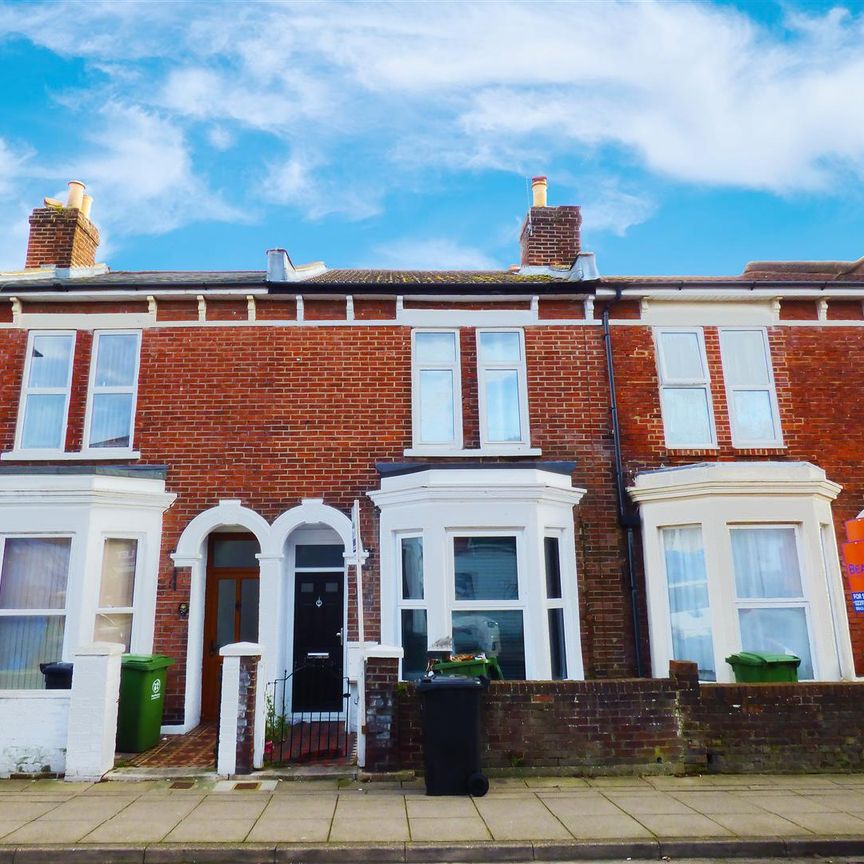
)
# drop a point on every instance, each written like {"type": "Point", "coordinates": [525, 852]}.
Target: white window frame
{"type": "Point", "coordinates": [557, 602]}
{"type": "Point", "coordinates": [136, 588]}
{"type": "Point", "coordinates": [402, 602]}
{"type": "Point", "coordinates": [26, 391]}
{"type": "Point", "coordinates": [35, 613]}
{"type": "Point", "coordinates": [802, 602]}
{"type": "Point", "coordinates": [93, 391]}
{"type": "Point", "coordinates": [456, 369]}
{"type": "Point", "coordinates": [770, 388]}
{"type": "Point", "coordinates": [719, 497]}
{"type": "Point", "coordinates": [521, 369]}
{"type": "Point", "coordinates": [668, 383]}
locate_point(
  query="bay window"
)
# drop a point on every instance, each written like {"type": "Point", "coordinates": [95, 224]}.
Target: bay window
{"type": "Point", "coordinates": [737, 558]}
{"type": "Point", "coordinates": [492, 569]}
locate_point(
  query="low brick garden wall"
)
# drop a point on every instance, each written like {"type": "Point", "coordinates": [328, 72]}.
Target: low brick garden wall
{"type": "Point", "coordinates": [657, 725]}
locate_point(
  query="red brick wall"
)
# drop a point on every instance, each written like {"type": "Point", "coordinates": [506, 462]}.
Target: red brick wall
{"type": "Point", "coordinates": [665, 725]}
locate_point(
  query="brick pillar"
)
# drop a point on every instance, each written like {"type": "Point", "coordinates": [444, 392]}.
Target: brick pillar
{"type": "Point", "coordinates": [693, 749]}
{"type": "Point", "coordinates": [381, 728]}
{"type": "Point", "coordinates": [238, 709]}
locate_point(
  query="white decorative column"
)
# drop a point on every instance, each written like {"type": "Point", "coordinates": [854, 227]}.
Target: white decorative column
{"type": "Point", "coordinates": [242, 702]}
{"type": "Point", "coordinates": [92, 728]}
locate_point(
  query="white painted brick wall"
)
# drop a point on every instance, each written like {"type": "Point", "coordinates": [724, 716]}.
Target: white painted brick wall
{"type": "Point", "coordinates": [33, 731]}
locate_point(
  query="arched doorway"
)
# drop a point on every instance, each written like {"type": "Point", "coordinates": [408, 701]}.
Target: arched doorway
{"type": "Point", "coordinates": [231, 606]}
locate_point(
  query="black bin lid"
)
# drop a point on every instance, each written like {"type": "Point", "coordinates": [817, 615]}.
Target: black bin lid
{"type": "Point", "coordinates": [450, 682]}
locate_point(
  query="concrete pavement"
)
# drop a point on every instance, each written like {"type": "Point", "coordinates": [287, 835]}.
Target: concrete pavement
{"type": "Point", "coordinates": [521, 819]}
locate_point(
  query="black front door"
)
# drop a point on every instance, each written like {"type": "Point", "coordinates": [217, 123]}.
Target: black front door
{"type": "Point", "coordinates": [318, 633]}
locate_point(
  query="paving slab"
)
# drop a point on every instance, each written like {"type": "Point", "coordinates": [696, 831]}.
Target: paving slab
{"type": "Point", "coordinates": [694, 825]}
{"type": "Point", "coordinates": [274, 830]}
{"type": "Point", "coordinates": [829, 823]}
{"type": "Point", "coordinates": [359, 829]}
{"type": "Point", "coordinates": [590, 804]}
{"type": "Point", "coordinates": [790, 803]}
{"type": "Point", "coordinates": [26, 810]}
{"type": "Point", "coordinates": [759, 825]}
{"type": "Point", "coordinates": [719, 801]}
{"type": "Point", "coordinates": [522, 819]}
{"type": "Point", "coordinates": [617, 827]}
{"type": "Point", "coordinates": [307, 807]}
{"type": "Point", "coordinates": [45, 831]}
{"type": "Point", "coordinates": [441, 807]}
{"type": "Point", "coordinates": [608, 782]}
{"type": "Point", "coordinates": [201, 830]}
{"type": "Point", "coordinates": [649, 803]}
{"type": "Point", "coordinates": [450, 829]}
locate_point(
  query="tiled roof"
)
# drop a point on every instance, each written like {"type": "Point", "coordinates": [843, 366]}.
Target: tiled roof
{"type": "Point", "coordinates": [429, 277]}
{"type": "Point", "coordinates": [135, 280]}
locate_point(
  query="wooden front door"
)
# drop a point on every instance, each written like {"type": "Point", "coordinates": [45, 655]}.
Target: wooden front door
{"type": "Point", "coordinates": [230, 608]}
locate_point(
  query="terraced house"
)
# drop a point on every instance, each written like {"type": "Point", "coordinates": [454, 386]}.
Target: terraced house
{"type": "Point", "coordinates": [585, 476]}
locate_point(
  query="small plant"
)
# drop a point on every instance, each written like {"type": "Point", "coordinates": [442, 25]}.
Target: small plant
{"type": "Point", "coordinates": [274, 726]}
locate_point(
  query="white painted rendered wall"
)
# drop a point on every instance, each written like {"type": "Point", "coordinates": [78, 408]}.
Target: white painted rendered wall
{"type": "Point", "coordinates": [34, 725]}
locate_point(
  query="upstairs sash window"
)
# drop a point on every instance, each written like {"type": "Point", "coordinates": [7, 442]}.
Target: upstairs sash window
{"type": "Point", "coordinates": [502, 386]}
{"type": "Point", "coordinates": [437, 407]}
{"type": "Point", "coordinates": [113, 390]}
{"type": "Point", "coordinates": [685, 391]}
{"type": "Point", "coordinates": [45, 397]}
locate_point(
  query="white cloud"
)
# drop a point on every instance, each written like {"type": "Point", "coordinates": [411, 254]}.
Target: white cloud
{"type": "Point", "coordinates": [433, 253]}
{"type": "Point", "coordinates": [366, 97]}
{"type": "Point", "coordinates": [140, 171]}
{"type": "Point", "coordinates": [301, 181]}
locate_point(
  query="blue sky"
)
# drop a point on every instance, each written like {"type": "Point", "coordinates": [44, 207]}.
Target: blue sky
{"type": "Point", "coordinates": [696, 136]}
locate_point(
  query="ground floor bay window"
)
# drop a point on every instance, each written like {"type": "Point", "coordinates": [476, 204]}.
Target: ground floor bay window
{"type": "Point", "coordinates": [79, 556]}
{"type": "Point", "coordinates": [483, 556]}
{"type": "Point", "coordinates": [742, 556]}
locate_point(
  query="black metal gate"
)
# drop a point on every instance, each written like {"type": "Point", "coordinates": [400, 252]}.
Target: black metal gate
{"type": "Point", "coordinates": [318, 730]}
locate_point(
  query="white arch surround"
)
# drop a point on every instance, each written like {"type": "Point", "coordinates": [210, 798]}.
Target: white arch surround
{"type": "Point", "coordinates": [230, 512]}
{"type": "Point", "coordinates": [190, 553]}
{"type": "Point", "coordinates": [272, 540]}
{"type": "Point", "coordinates": [310, 511]}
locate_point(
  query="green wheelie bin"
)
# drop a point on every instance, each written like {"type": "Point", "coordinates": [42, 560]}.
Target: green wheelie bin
{"type": "Point", "coordinates": [142, 698]}
{"type": "Point", "coordinates": [759, 667]}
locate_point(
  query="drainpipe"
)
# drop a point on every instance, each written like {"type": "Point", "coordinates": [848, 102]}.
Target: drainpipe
{"type": "Point", "coordinates": [627, 519]}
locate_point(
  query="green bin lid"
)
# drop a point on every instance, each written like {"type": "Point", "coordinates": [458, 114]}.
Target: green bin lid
{"type": "Point", "coordinates": [146, 662]}
{"type": "Point", "coordinates": [762, 658]}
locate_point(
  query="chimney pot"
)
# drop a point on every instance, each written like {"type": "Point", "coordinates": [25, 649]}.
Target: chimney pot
{"type": "Point", "coordinates": [539, 187]}
{"type": "Point", "coordinates": [76, 195]}
{"type": "Point", "coordinates": [86, 204]}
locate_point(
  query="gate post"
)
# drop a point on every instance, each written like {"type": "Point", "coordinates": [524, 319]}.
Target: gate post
{"type": "Point", "coordinates": [379, 724]}
{"type": "Point", "coordinates": [240, 728]}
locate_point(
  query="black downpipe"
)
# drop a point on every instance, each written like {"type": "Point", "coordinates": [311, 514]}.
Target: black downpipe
{"type": "Point", "coordinates": [626, 519]}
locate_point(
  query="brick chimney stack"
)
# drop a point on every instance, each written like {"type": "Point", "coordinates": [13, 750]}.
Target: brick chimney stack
{"type": "Point", "coordinates": [550, 235]}
{"type": "Point", "coordinates": [63, 236]}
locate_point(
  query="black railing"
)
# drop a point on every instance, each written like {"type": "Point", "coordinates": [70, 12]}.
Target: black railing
{"type": "Point", "coordinates": [307, 714]}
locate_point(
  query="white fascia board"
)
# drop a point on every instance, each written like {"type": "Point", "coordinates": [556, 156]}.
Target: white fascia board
{"type": "Point", "coordinates": [708, 312]}
{"type": "Point", "coordinates": [442, 485]}
{"type": "Point", "coordinates": [758, 479]}
{"type": "Point", "coordinates": [21, 490]}
{"type": "Point", "coordinates": [142, 294]}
